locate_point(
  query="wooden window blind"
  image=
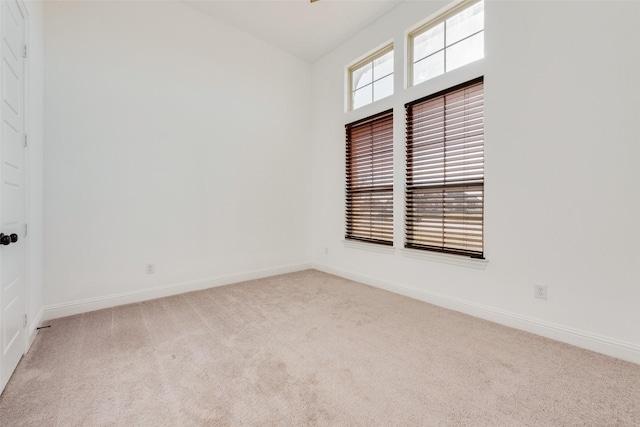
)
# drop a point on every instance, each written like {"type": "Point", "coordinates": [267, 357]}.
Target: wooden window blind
{"type": "Point", "coordinates": [369, 161]}
{"type": "Point", "coordinates": [445, 171]}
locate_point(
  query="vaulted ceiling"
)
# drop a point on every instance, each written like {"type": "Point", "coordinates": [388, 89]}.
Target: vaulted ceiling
{"type": "Point", "coordinates": [308, 30]}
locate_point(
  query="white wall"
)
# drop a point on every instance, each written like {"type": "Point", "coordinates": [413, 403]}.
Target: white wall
{"type": "Point", "coordinates": [35, 166]}
{"type": "Point", "coordinates": [562, 175]}
{"type": "Point", "coordinates": [171, 138]}
{"type": "Point", "coordinates": [150, 108]}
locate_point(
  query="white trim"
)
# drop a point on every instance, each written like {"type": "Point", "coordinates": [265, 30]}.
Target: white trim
{"type": "Point", "coordinates": [610, 346]}
{"type": "Point", "coordinates": [456, 4]}
{"type": "Point", "coordinates": [463, 261]}
{"type": "Point", "coordinates": [371, 247]}
{"type": "Point", "coordinates": [382, 49]}
{"type": "Point", "coordinates": [90, 304]}
{"type": "Point", "coordinates": [33, 329]}
{"type": "Point", "coordinates": [435, 19]}
{"type": "Point", "coordinates": [439, 16]}
{"type": "Point", "coordinates": [28, 292]}
{"type": "Point", "coordinates": [23, 8]}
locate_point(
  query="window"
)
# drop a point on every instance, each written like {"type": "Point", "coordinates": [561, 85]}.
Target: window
{"type": "Point", "coordinates": [372, 78]}
{"type": "Point", "coordinates": [451, 41]}
{"type": "Point", "coordinates": [445, 171]}
{"type": "Point", "coordinates": [369, 204]}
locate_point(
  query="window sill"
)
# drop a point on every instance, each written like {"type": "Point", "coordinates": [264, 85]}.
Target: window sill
{"type": "Point", "coordinates": [480, 264]}
{"type": "Point", "coordinates": [372, 247]}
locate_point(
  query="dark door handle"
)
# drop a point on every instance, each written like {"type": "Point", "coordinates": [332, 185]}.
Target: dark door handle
{"type": "Point", "coordinates": [6, 239]}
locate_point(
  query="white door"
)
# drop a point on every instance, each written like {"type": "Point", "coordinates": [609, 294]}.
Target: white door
{"type": "Point", "coordinates": [12, 191]}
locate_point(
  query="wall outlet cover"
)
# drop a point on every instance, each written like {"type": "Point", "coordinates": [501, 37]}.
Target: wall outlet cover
{"type": "Point", "coordinates": [540, 291]}
{"type": "Point", "coordinates": [150, 268]}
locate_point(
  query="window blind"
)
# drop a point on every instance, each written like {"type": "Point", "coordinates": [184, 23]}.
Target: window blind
{"type": "Point", "coordinates": [369, 192]}
{"type": "Point", "coordinates": [445, 171]}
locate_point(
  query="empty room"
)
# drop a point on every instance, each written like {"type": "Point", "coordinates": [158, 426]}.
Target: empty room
{"type": "Point", "coordinates": [325, 212]}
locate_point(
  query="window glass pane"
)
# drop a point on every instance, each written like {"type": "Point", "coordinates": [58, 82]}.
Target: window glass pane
{"type": "Point", "coordinates": [383, 66]}
{"type": "Point", "coordinates": [466, 51]}
{"type": "Point", "coordinates": [383, 88]}
{"type": "Point", "coordinates": [428, 42]}
{"type": "Point", "coordinates": [362, 76]}
{"type": "Point", "coordinates": [362, 97]}
{"type": "Point", "coordinates": [465, 23]}
{"type": "Point", "coordinates": [428, 68]}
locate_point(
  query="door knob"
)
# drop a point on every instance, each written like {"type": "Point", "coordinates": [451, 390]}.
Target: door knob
{"type": "Point", "coordinates": [6, 239]}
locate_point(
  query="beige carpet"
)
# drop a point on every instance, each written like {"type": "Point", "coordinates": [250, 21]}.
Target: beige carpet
{"type": "Point", "coordinates": [308, 349]}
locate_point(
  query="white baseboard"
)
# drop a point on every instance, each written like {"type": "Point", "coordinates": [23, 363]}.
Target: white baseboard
{"type": "Point", "coordinates": [91, 304]}
{"type": "Point", "coordinates": [594, 342]}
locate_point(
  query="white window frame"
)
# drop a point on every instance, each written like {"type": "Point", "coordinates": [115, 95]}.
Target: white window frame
{"type": "Point", "coordinates": [360, 64]}
{"type": "Point", "coordinates": [441, 17]}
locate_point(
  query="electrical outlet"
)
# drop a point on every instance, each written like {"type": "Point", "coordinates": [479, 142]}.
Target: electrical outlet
{"type": "Point", "coordinates": [326, 251]}
{"type": "Point", "coordinates": [540, 291]}
{"type": "Point", "coordinates": [150, 268]}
